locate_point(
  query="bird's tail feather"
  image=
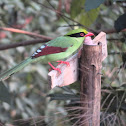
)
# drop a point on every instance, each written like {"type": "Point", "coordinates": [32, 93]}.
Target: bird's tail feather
{"type": "Point", "coordinates": [15, 69]}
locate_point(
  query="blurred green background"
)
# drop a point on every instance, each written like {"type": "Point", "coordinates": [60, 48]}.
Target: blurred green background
{"type": "Point", "coordinates": [28, 102]}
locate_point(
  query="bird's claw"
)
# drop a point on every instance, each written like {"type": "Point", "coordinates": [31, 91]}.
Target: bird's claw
{"type": "Point", "coordinates": [64, 62]}
{"type": "Point", "coordinates": [54, 68]}
{"type": "Point", "coordinates": [50, 69]}
{"type": "Point", "coordinates": [57, 69]}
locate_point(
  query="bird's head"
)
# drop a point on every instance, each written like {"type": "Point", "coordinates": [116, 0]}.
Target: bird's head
{"type": "Point", "coordinates": [79, 33]}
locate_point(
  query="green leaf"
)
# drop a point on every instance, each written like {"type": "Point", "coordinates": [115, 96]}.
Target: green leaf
{"type": "Point", "coordinates": [4, 93]}
{"type": "Point", "coordinates": [78, 12]}
{"type": "Point", "coordinates": [87, 18]}
{"type": "Point", "coordinates": [76, 7]}
{"type": "Point", "coordinates": [120, 23]}
{"type": "Point", "coordinates": [92, 4]}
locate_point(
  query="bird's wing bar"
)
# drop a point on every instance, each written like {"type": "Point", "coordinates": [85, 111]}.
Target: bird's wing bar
{"type": "Point", "coordinates": [48, 50]}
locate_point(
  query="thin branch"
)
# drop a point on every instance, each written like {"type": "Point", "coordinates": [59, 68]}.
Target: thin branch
{"type": "Point", "coordinates": [65, 16]}
{"type": "Point", "coordinates": [61, 15]}
{"type": "Point", "coordinates": [110, 31]}
{"type": "Point", "coordinates": [33, 42]}
{"type": "Point", "coordinates": [25, 32]}
{"type": "Point", "coordinates": [114, 39]}
{"type": "Point", "coordinates": [107, 31]}
{"type": "Point", "coordinates": [116, 53]}
{"type": "Point", "coordinates": [23, 43]}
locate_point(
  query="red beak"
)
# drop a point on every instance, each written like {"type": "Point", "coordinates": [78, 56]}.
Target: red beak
{"type": "Point", "coordinates": [89, 34]}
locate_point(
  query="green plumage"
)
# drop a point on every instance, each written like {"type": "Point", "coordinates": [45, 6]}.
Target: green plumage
{"type": "Point", "coordinates": [65, 42]}
{"type": "Point", "coordinates": [15, 69]}
{"type": "Point", "coordinates": [71, 43]}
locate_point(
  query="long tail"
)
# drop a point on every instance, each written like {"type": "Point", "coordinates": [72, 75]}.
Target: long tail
{"type": "Point", "coordinates": [15, 69]}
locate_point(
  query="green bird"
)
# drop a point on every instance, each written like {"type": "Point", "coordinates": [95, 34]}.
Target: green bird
{"type": "Point", "coordinates": [56, 50]}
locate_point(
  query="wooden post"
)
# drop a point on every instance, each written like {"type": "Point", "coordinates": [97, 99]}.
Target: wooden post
{"type": "Point", "coordinates": [68, 76]}
{"type": "Point", "coordinates": [90, 76]}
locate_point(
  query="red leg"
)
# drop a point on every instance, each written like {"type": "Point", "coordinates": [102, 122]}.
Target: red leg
{"type": "Point", "coordinates": [50, 69]}
{"type": "Point", "coordinates": [64, 62]}
{"type": "Point", "coordinates": [57, 69]}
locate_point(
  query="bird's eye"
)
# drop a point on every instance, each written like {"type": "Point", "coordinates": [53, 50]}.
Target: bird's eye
{"type": "Point", "coordinates": [82, 34]}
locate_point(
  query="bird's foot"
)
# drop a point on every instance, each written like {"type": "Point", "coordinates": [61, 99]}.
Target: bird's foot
{"type": "Point", "coordinates": [54, 68]}
{"type": "Point", "coordinates": [64, 62]}
{"type": "Point", "coordinates": [50, 69]}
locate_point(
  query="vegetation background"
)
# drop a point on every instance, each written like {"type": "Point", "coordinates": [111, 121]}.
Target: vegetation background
{"type": "Point", "coordinates": [26, 99]}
